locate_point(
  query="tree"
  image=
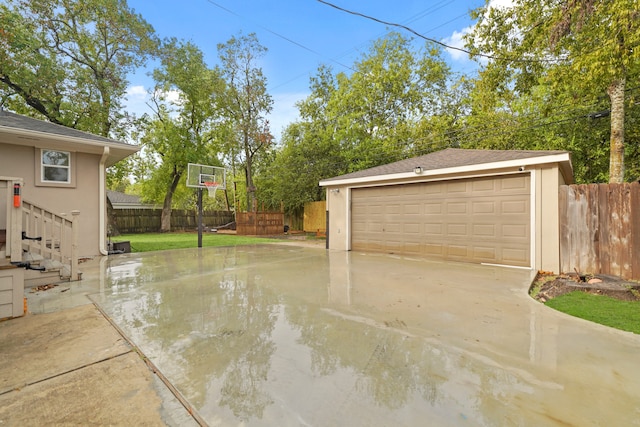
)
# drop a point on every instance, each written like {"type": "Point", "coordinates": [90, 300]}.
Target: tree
{"type": "Point", "coordinates": [398, 102]}
{"type": "Point", "coordinates": [247, 104]}
{"type": "Point", "coordinates": [378, 109]}
{"type": "Point", "coordinates": [67, 60]}
{"type": "Point", "coordinates": [187, 100]}
{"type": "Point", "coordinates": [293, 173]}
{"type": "Point", "coordinates": [574, 48]}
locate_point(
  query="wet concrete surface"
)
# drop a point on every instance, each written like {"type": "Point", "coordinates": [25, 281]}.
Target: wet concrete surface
{"type": "Point", "coordinates": [288, 335]}
{"type": "Point", "coordinates": [71, 367]}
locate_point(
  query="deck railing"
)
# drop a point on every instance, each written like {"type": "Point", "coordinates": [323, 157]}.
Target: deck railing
{"type": "Point", "coordinates": [51, 236]}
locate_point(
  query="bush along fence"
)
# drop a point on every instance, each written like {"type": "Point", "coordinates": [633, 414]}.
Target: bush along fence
{"type": "Point", "coordinates": [600, 229]}
{"type": "Point", "coordinates": [148, 220]}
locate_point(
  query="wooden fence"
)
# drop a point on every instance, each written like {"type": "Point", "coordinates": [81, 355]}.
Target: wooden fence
{"type": "Point", "coordinates": [148, 220]}
{"type": "Point", "coordinates": [315, 216]}
{"type": "Point", "coordinates": [259, 223]}
{"type": "Point", "coordinates": [600, 229]}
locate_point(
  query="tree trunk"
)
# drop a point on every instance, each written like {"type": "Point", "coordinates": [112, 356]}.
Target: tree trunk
{"type": "Point", "coordinates": [616, 155]}
{"type": "Point", "coordinates": [251, 189]}
{"type": "Point", "coordinates": [165, 219]}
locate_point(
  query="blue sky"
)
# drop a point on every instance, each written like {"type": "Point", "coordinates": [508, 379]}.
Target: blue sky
{"type": "Point", "coordinates": [300, 35]}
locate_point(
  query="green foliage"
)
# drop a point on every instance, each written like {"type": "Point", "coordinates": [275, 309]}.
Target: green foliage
{"type": "Point", "coordinates": [624, 315]}
{"type": "Point", "coordinates": [396, 104]}
{"type": "Point", "coordinates": [165, 241]}
{"type": "Point", "coordinates": [295, 170]}
{"type": "Point", "coordinates": [188, 97]}
{"type": "Point", "coordinates": [67, 61]}
{"type": "Point", "coordinates": [553, 65]}
{"type": "Point", "coordinates": [247, 102]}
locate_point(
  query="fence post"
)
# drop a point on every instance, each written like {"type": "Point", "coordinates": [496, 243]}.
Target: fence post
{"type": "Point", "coordinates": [74, 245]}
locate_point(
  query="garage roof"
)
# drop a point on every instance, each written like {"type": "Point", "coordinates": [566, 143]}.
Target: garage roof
{"type": "Point", "coordinates": [456, 160]}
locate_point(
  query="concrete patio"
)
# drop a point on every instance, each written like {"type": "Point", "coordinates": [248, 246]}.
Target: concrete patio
{"type": "Point", "coordinates": [292, 335]}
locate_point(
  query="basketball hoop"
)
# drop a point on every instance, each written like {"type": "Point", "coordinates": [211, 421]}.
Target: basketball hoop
{"type": "Point", "coordinates": [212, 186]}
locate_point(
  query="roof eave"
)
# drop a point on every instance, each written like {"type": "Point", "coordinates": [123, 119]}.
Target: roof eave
{"type": "Point", "coordinates": [561, 158]}
{"type": "Point", "coordinates": [118, 150]}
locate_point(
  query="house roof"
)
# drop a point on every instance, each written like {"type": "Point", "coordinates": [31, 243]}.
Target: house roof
{"type": "Point", "coordinates": [23, 130]}
{"type": "Point", "coordinates": [126, 201]}
{"type": "Point", "coordinates": [452, 160]}
{"type": "Point", "coordinates": [117, 197]}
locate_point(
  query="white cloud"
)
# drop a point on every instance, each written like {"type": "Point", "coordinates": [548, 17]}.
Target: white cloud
{"type": "Point", "coordinates": [500, 3]}
{"type": "Point", "coordinates": [456, 40]}
{"type": "Point", "coordinates": [136, 100]}
{"type": "Point", "coordinates": [173, 96]}
{"type": "Point", "coordinates": [136, 92]}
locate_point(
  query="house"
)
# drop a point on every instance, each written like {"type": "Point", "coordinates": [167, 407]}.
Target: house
{"type": "Point", "coordinates": [58, 177]}
{"type": "Point", "coordinates": [481, 206]}
{"type": "Point", "coordinates": [126, 201]}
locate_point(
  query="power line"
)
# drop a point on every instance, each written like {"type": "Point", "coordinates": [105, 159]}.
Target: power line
{"type": "Point", "coordinates": [422, 36]}
{"type": "Point", "coordinates": [285, 38]}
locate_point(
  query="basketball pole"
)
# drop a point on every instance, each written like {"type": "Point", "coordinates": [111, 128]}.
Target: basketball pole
{"type": "Point", "coordinates": [199, 217]}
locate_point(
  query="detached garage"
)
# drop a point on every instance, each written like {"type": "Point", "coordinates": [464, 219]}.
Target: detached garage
{"type": "Point", "coordinates": [480, 206]}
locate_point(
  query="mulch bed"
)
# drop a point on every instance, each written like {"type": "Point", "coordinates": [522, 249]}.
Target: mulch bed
{"type": "Point", "coordinates": [598, 284]}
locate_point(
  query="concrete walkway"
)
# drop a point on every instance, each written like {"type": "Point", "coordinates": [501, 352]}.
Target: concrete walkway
{"type": "Point", "coordinates": [71, 367]}
{"type": "Point", "coordinates": [288, 335]}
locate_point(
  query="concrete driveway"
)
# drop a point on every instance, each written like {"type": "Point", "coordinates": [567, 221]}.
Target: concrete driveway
{"type": "Point", "coordinates": [288, 336]}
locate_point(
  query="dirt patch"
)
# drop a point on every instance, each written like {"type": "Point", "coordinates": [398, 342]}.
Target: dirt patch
{"type": "Point", "coordinates": [548, 286]}
{"type": "Point", "coordinates": [40, 288]}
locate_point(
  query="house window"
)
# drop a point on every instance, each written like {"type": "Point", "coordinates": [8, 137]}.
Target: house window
{"type": "Point", "coordinates": [56, 166]}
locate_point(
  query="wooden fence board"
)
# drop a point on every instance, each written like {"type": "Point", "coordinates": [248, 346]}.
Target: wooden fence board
{"type": "Point", "coordinates": [625, 228]}
{"type": "Point", "coordinates": [315, 216]}
{"type": "Point", "coordinates": [148, 220]}
{"type": "Point", "coordinates": [600, 229]}
{"type": "Point", "coordinates": [615, 236]}
{"type": "Point", "coordinates": [259, 223]}
{"type": "Point", "coordinates": [593, 225]}
{"type": "Point", "coordinates": [634, 228]}
{"type": "Point", "coordinates": [604, 263]}
{"type": "Point", "coordinates": [565, 239]}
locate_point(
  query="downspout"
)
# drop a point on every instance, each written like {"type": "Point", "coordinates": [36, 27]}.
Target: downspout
{"type": "Point", "coordinates": [103, 201]}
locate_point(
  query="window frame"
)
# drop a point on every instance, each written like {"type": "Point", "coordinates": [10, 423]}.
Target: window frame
{"type": "Point", "coordinates": [40, 169]}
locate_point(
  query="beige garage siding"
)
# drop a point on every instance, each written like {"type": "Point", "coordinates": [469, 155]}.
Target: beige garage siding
{"type": "Point", "coordinates": [475, 220]}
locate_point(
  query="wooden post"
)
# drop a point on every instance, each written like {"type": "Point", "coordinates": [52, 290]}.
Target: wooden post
{"type": "Point", "coordinates": [74, 245]}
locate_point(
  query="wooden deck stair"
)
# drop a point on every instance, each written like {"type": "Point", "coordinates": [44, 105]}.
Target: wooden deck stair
{"type": "Point", "coordinates": [46, 246]}
{"type": "Point", "coordinates": [32, 236]}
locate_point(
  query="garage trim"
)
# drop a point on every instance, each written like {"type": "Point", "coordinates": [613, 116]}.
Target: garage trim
{"type": "Point", "coordinates": [514, 165]}
{"type": "Point", "coordinates": [548, 170]}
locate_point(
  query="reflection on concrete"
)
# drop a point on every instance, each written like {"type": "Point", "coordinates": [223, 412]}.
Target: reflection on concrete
{"type": "Point", "coordinates": [283, 335]}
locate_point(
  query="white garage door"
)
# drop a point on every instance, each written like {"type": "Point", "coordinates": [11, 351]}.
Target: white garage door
{"type": "Point", "coordinates": [475, 220]}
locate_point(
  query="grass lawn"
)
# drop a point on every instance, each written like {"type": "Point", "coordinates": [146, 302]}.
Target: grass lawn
{"type": "Point", "coordinates": [162, 241]}
{"type": "Point", "coordinates": [624, 315]}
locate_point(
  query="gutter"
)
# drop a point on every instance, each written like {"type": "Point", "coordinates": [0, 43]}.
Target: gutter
{"type": "Point", "coordinates": [103, 202]}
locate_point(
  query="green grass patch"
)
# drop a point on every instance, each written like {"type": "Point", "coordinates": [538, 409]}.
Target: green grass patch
{"type": "Point", "coordinates": [624, 315]}
{"type": "Point", "coordinates": [163, 241]}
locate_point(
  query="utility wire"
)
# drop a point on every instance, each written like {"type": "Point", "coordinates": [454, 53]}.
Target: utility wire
{"type": "Point", "coordinates": [422, 36]}
{"type": "Point", "coordinates": [287, 39]}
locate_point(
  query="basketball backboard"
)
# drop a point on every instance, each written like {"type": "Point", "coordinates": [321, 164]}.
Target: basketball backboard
{"type": "Point", "coordinates": [204, 176]}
